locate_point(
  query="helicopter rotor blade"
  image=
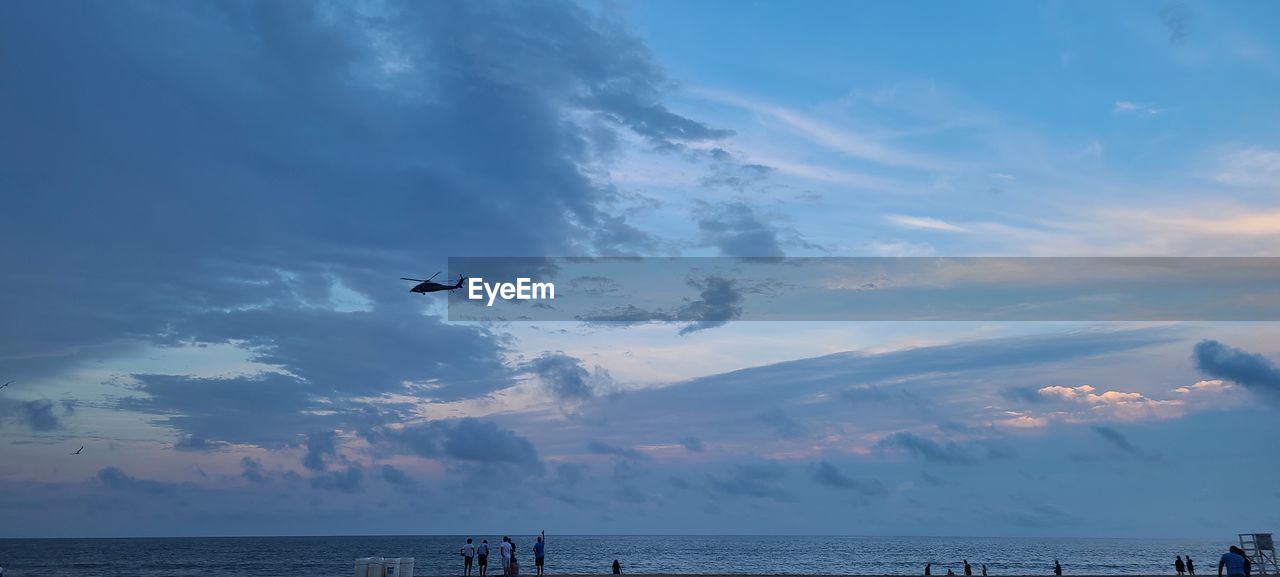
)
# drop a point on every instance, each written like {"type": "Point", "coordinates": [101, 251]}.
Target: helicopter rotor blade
{"type": "Point", "coordinates": [412, 279]}
{"type": "Point", "coordinates": [434, 275]}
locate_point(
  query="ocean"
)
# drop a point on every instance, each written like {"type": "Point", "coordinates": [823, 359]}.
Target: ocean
{"type": "Point", "coordinates": [438, 555]}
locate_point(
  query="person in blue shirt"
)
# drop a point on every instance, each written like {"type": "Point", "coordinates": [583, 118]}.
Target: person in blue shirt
{"type": "Point", "coordinates": [1233, 562]}
{"type": "Point", "coordinates": [540, 552]}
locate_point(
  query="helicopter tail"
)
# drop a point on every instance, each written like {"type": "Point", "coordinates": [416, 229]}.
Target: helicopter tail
{"type": "Point", "coordinates": [461, 281]}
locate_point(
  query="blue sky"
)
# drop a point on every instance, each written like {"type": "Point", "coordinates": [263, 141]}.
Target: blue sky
{"type": "Point", "coordinates": [207, 207]}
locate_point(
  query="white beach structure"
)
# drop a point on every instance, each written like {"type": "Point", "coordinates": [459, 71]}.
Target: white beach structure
{"type": "Point", "coordinates": [1260, 548]}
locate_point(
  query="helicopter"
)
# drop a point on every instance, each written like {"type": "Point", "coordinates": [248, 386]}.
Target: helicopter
{"type": "Point", "coordinates": [428, 286]}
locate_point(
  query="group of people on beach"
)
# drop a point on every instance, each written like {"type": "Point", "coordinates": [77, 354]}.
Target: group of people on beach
{"type": "Point", "coordinates": [478, 555]}
{"type": "Point", "coordinates": [968, 569]}
{"type": "Point", "coordinates": [1234, 561]}
{"type": "Point", "coordinates": [1184, 568]}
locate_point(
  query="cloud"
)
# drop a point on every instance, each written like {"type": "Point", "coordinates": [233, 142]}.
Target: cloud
{"type": "Point", "coordinates": [1211, 386]}
{"type": "Point", "coordinates": [570, 474]}
{"type": "Point", "coordinates": [468, 440]}
{"type": "Point", "coordinates": [692, 443]}
{"type": "Point", "coordinates": [1247, 167]}
{"type": "Point", "coordinates": [631, 495]}
{"type": "Point", "coordinates": [781, 423]}
{"type": "Point", "coordinates": [1177, 19]}
{"type": "Point", "coordinates": [1044, 515]}
{"type": "Point", "coordinates": [728, 171]}
{"type": "Point", "coordinates": [363, 352]}
{"type": "Point", "coordinates": [735, 229]}
{"type": "Point", "coordinates": [396, 476]}
{"type": "Point", "coordinates": [270, 409]}
{"type": "Point", "coordinates": [1126, 107]}
{"type": "Point", "coordinates": [1115, 438]}
{"type": "Point", "coordinates": [565, 376]}
{"type": "Point", "coordinates": [601, 448]}
{"type": "Point", "coordinates": [350, 480]}
{"type": "Point", "coordinates": [1030, 395]}
{"type": "Point", "coordinates": [197, 443]}
{"type": "Point", "coordinates": [923, 223]}
{"type": "Point", "coordinates": [935, 480]}
{"type": "Point", "coordinates": [1122, 405]}
{"type": "Point", "coordinates": [252, 470]}
{"type": "Point", "coordinates": [824, 473]}
{"type": "Point", "coordinates": [321, 448]}
{"type": "Point", "coordinates": [864, 394]}
{"type": "Point", "coordinates": [1250, 370]}
{"type": "Point", "coordinates": [948, 454]}
{"type": "Point", "coordinates": [115, 478]}
{"type": "Point", "coordinates": [241, 226]}
{"type": "Point", "coordinates": [756, 480]}
{"type": "Point", "coordinates": [37, 415]}
{"type": "Point", "coordinates": [1119, 441]}
{"type": "Point", "coordinates": [1018, 420]}
{"type": "Point", "coordinates": [825, 132]}
{"type": "Point", "coordinates": [730, 405]}
{"type": "Point", "coordinates": [718, 302]}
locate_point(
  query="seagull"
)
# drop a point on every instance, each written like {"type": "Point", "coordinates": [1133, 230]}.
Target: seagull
{"type": "Point", "coordinates": [6, 384]}
{"type": "Point", "coordinates": [78, 450]}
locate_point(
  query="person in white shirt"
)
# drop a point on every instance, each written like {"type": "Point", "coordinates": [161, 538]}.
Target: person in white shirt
{"type": "Point", "coordinates": [505, 550]}
{"type": "Point", "coordinates": [468, 553]}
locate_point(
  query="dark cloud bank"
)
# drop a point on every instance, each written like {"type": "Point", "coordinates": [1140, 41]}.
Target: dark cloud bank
{"type": "Point", "coordinates": [223, 173]}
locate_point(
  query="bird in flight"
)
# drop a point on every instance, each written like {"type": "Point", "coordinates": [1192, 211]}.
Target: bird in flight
{"type": "Point", "coordinates": [6, 384]}
{"type": "Point", "coordinates": [78, 450]}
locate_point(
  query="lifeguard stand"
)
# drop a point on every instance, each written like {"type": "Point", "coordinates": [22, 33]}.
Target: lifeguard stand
{"type": "Point", "coordinates": [1260, 548]}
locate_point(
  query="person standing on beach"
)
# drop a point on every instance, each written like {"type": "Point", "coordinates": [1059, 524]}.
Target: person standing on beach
{"type": "Point", "coordinates": [539, 553]}
{"type": "Point", "coordinates": [1191, 566]}
{"type": "Point", "coordinates": [1179, 566]}
{"type": "Point", "coordinates": [617, 567]}
{"type": "Point", "coordinates": [984, 570]}
{"type": "Point", "coordinates": [482, 556]}
{"type": "Point", "coordinates": [928, 569]}
{"type": "Point", "coordinates": [968, 571]}
{"type": "Point", "coordinates": [1248, 565]}
{"type": "Point", "coordinates": [468, 554]}
{"type": "Point", "coordinates": [505, 551]}
{"type": "Point", "coordinates": [1233, 562]}
{"type": "Point", "coordinates": [1057, 568]}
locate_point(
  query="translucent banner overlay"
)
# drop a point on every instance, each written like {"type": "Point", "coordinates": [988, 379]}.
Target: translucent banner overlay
{"type": "Point", "coordinates": [705, 290]}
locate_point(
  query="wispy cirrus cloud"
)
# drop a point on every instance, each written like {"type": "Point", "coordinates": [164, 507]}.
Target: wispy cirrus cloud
{"type": "Point", "coordinates": [1247, 166]}
{"type": "Point", "coordinates": [1127, 107]}
{"type": "Point", "coordinates": [826, 134]}
{"type": "Point", "coordinates": [923, 223]}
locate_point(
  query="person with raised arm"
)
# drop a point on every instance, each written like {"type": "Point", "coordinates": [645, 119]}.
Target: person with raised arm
{"type": "Point", "coordinates": [540, 552]}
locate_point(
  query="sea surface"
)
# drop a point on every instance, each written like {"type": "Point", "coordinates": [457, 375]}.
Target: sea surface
{"type": "Point", "coordinates": [438, 555]}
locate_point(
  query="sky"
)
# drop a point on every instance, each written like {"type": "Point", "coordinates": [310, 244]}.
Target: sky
{"type": "Point", "coordinates": [207, 206]}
